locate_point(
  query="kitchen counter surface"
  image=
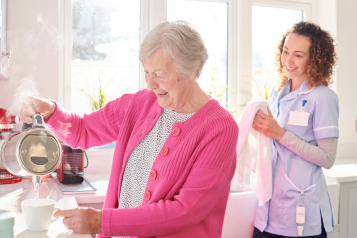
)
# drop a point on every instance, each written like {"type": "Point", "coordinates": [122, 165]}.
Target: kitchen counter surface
{"type": "Point", "coordinates": [11, 196]}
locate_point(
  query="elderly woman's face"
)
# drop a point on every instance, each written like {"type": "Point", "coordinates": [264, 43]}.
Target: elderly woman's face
{"type": "Point", "coordinates": [162, 78]}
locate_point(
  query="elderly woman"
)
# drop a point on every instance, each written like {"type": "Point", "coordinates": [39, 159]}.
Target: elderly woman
{"type": "Point", "coordinates": [175, 153]}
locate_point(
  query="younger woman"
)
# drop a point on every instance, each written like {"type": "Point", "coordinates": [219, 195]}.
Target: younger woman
{"type": "Point", "coordinates": [303, 124]}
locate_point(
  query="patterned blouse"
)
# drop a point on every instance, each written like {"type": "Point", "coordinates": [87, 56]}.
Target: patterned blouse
{"type": "Point", "coordinates": [141, 159]}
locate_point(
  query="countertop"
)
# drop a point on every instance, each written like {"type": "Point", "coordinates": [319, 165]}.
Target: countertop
{"type": "Point", "coordinates": [342, 173]}
{"type": "Point", "coordinates": [11, 196]}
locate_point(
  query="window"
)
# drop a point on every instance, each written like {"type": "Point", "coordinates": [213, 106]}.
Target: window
{"type": "Point", "coordinates": [260, 24]}
{"type": "Point", "coordinates": [240, 36]}
{"type": "Point", "coordinates": [212, 24]}
{"type": "Point", "coordinates": [105, 50]}
{"type": "Point", "coordinates": [267, 29]}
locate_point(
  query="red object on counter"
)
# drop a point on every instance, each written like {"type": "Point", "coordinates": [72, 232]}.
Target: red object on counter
{"type": "Point", "coordinates": [7, 120]}
{"type": "Point", "coordinates": [71, 169]}
{"type": "Point", "coordinates": [7, 178]}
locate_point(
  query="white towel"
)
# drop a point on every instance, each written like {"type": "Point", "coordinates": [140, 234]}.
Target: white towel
{"type": "Point", "coordinates": [254, 152]}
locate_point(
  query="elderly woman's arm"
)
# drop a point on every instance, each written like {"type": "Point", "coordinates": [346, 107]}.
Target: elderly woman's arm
{"type": "Point", "coordinates": [207, 183]}
{"type": "Point", "coordinates": [95, 129]}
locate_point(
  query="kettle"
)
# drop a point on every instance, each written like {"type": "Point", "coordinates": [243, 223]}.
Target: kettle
{"type": "Point", "coordinates": [35, 151]}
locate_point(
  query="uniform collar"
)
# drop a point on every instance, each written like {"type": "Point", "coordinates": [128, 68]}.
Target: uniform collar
{"type": "Point", "coordinates": [285, 95]}
{"type": "Point", "coordinates": [304, 89]}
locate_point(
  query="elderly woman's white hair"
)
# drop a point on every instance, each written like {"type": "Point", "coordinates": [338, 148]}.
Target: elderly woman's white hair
{"type": "Point", "coordinates": [180, 43]}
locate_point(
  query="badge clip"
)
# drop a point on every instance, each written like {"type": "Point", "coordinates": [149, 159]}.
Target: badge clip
{"type": "Point", "coordinates": [302, 106]}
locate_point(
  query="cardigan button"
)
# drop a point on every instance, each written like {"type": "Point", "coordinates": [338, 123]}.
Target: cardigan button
{"type": "Point", "coordinates": [153, 174]}
{"type": "Point", "coordinates": [164, 151]}
{"type": "Point", "coordinates": [147, 195]}
{"type": "Point", "coordinates": [176, 131]}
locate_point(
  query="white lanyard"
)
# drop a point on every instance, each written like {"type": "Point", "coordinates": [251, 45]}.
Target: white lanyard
{"type": "Point", "coordinates": [300, 208]}
{"type": "Point", "coordinates": [298, 189]}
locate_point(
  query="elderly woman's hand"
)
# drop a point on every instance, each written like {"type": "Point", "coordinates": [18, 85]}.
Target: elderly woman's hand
{"type": "Point", "coordinates": [82, 220]}
{"type": "Point", "coordinates": [32, 105]}
{"type": "Point", "coordinates": [267, 125]}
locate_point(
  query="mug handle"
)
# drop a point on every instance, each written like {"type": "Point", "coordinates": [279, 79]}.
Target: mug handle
{"type": "Point", "coordinates": [53, 219]}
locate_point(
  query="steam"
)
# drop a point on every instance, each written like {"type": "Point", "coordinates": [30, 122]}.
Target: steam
{"type": "Point", "coordinates": [26, 88]}
{"type": "Point", "coordinates": [30, 46]}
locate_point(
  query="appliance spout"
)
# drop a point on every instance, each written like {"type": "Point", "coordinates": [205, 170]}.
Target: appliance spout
{"type": "Point", "coordinates": [36, 179]}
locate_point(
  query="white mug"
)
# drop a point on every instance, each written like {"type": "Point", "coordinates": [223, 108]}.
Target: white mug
{"type": "Point", "coordinates": [38, 215]}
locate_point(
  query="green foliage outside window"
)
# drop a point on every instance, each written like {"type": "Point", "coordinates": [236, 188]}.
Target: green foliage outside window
{"type": "Point", "coordinates": [98, 90]}
{"type": "Point", "coordinates": [216, 91]}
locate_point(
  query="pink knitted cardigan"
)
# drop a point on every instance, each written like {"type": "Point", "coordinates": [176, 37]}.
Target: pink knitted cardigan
{"type": "Point", "coordinates": [188, 195]}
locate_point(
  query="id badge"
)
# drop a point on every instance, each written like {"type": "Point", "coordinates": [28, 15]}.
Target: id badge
{"type": "Point", "coordinates": [300, 214]}
{"type": "Point", "coordinates": [298, 118]}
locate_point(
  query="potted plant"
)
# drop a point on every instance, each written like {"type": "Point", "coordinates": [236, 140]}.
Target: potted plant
{"type": "Point", "coordinates": [99, 90]}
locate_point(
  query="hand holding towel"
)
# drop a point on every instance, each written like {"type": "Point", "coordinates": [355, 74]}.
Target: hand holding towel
{"type": "Point", "coordinates": [254, 152]}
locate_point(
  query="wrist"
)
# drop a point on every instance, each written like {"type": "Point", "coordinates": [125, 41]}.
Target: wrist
{"type": "Point", "coordinates": [52, 108]}
{"type": "Point", "coordinates": [94, 220]}
{"type": "Point", "coordinates": [98, 222]}
{"type": "Point", "coordinates": [280, 134]}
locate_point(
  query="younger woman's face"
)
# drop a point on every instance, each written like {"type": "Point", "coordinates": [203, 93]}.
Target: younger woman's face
{"type": "Point", "coordinates": [296, 56]}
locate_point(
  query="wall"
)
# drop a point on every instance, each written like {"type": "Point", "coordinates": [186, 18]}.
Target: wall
{"type": "Point", "coordinates": [324, 14]}
{"type": "Point", "coordinates": [339, 18]}
{"type": "Point", "coordinates": [33, 42]}
{"type": "Point", "coordinates": [346, 77]}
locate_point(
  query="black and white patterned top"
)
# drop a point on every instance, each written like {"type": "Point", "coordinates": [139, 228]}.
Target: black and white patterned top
{"type": "Point", "coordinates": [141, 159]}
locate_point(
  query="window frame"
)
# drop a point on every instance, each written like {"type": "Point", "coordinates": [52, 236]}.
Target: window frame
{"type": "Point", "coordinates": [158, 9]}
{"type": "Point", "coordinates": [155, 11]}
{"type": "Point", "coordinates": [245, 47]}
{"type": "Point", "coordinates": [239, 62]}
{"type": "Point", "coordinates": [304, 6]}
{"type": "Point", "coordinates": [152, 13]}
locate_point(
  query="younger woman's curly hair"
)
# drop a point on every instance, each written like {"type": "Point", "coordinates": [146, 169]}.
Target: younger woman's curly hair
{"type": "Point", "coordinates": [322, 55]}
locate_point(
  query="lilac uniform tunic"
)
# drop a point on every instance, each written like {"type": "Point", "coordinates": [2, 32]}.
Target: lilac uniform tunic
{"type": "Point", "coordinates": [292, 173]}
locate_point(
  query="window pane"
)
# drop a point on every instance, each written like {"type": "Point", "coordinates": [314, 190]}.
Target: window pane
{"type": "Point", "coordinates": [212, 24]}
{"type": "Point", "coordinates": [106, 40]}
{"type": "Point", "coordinates": [268, 25]}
